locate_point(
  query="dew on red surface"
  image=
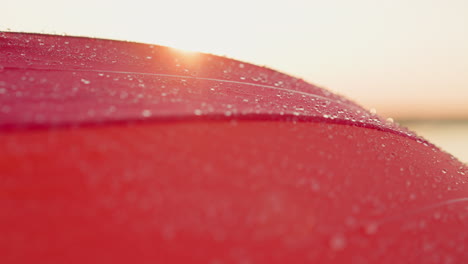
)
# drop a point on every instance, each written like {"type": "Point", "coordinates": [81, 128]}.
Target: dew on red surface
{"type": "Point", "coordinates": [124, 152]}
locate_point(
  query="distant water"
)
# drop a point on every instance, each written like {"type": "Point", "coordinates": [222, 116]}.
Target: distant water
{"type": "Point", "coordinates": [450, 135]}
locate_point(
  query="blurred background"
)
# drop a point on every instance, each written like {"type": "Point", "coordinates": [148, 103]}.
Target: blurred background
{"type": "Point", "coordinates": [408, 59]}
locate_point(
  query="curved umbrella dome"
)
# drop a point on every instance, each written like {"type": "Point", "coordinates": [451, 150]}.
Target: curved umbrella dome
{"type": "Point", "coordinates": [119, 152]}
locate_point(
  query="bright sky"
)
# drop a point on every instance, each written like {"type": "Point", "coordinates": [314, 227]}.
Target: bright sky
{"type": "Point", "coordinates": [406, 58]}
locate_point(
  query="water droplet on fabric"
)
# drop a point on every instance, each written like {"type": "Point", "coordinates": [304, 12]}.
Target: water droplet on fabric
{"type": "Point", "coordinates": [315, 186]}
{"type": "Point", "coordinates": [5, 109]}
{"type": "Point", "coordinates": [123, 95]}
{"type": "Point", "coordinates": [371, 228]}
{"type": "Point", "coordinates": [299, 108]}
{"type": "Point", "coordinates": [338, 242]}
{"type": "Point", "coordinates": [350, 221]}
{"type": "Point", "coordinates": [146, 113]}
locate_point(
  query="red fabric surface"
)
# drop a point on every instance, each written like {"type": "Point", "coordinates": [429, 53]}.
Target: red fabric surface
{"type": "Point", "coordinates": [116, 152]}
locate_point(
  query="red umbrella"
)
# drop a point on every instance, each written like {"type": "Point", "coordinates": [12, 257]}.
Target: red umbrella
{"type": "Point", "coordinates": [120, 152]}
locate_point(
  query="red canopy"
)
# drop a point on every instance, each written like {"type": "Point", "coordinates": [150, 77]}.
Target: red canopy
{"type": "Point", "coordinates": [119, 152]}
